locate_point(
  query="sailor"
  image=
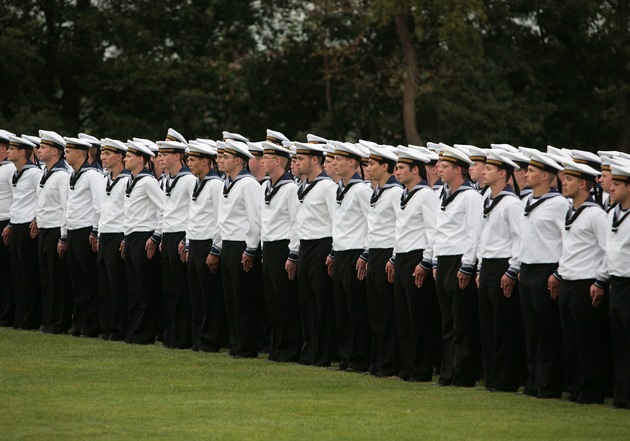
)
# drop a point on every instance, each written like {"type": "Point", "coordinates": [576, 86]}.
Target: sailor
{"type": "Point", "coordinates": [237, 243]}
{"type": "Point", "coordinates": [50, 225]}
{"type": "Point", "coordinates": [94, 153]}
{"type": "Point", "coordinates": [580, 285]}
{"type": "Point", "coordinates": [209, 325]}
{"type": "Point", "coordinates": [85, 195]}
{"type": "Point", "coordinates": [540, 248]}
{"type": "Point", "coordinates": [618, 256]}
{"type": "Point", "coordinates": [280, 247]}
{"type": "Point", "coordinates": [112, 289]}
{"type": "Point", "coordinates": [431, 167]}
{"type": "Point", "coordinates": [454, 257]}
{"type": "Point", "coordinates": [384, 206]}
{"type": "Point", "coordinates": [502, 338]}
{"type": "Point", "coordinates": [16, 234]}
{"type": "Point", "coordinates": [7, 168]}
{"type": "Point", "coordinates": [478, 157]}
{"type": "Point", "coordinates": [144, 203]}
{"type": "Point", "coordinates": [254, 165]}
{"type": "Point", "coordinates": [595, 162]}
{"type": "Point", "coordinates": [348, 259]}
{"type": "Point", "coordinates": [314, 231]}
{"type": "Point", "coordinates": [179, 186]}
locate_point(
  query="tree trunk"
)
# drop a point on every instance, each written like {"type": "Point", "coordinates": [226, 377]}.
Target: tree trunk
{"type": "Point", "coordinates": [623, 134]}
{"type": "Point", "coordinates": [410, 78]}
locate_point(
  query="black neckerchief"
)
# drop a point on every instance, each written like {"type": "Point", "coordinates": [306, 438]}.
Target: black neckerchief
{"type": "Point", "coordinates": [133, 181]}
{"type": "Point", "coordinates": [342, 190]}
{"type": "Point", "coordinates": [17, 175]}
{"type": "Point", "coordinates": [74, 177]}
{"type": "Point", "coordinates": [264, 180]}
{"type": "Point", "coordinates": [616, 221]}
{"type": "Point", "coordinates": [488, 207]}
{"type": "Point", "coordinates": [572, 217]}
{"type": "Point", "coordinates": [483, 190]}
{"type": "Point", "coordinates": [406, 196]}
{"type": "Point", "coordinates": [525, 192]}
{"type": "Point", "coordinates": [530, 207]}
{"type": "Point", "coordinates": [59, 165]}
{"type": "Point", "coordinates": [169, 188]}
{"type": "Point", "coordinates": [308, 186]}
{"type": "Point", "coordinates": [228, 184]}
{"type": "Point", "coordinates": [378, 191]}
{"type": "Point", "coordinates": [200, 184]}
{"type": "Point", "coordinates": [272, 188]}
{"type": "Point", "coordinates": [111, 184]}
{"type": "Point", "coordinates": [446, 200]}
{"type": "Point", "coordinates": [612, 207]}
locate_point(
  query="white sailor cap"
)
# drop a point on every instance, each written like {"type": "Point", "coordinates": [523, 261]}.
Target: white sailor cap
{"type": "Point", "coordinates": [234, 137]}
{"type": "Point", "coordinates": [310, 148]}
{"type": "Point", "coordinates": [271, 148]}
{"type": "Point", "coordinates": [139, 149]}
{"type": "Point", "coordinates": [544, 162]}
{"type": "Point", "coordinates": [366, 143]}
{"type": "Point", "coordinates": [620, 173]}
{"type": "Point", "coordinates": [527, 151]}
{"type": "Point", "coordinates": [476, 154]}
{"type": "Point", "coordinates": [147, 142]}
{"type": "Point", "coordinates": [113, 145]}
{"type": "Point", "coordinates": [34, 139]}
{"type": "Point", "coordinates": [520, 159]}
{"type": "Point", "coordinates": [52, 139]}
{"type": "Point", "coordinates": [382, 154]}
{"type": "Point", "coordinates": [580, 170]}
{"type": "Point", "coordinates": [504, 147]}
{"type": "Point", "coordinates": [91, 139]}
{"type": "Point", "coordinates": [432, 155]}
{"type": "Point", "coordinates": [365, 151]}
{"type": "Point", "coordinates": [558, 152]}
{"type": "Point", "coordinates": [201, 150]}
{"type": "Point", "coordinates": [501, 159]}
{"type": "Point", "coordinates": [237, 148]}
{"type": "Point", "coordinates": [456, 156]}
{"type": "Point", "coordinates": [348, 150]}
{"type": "Point", "coordinates": [174, 135]}
{"type": "Point", "coordinates": [588, 158]}
{"type": "Point", "coordinates": [289, 145]}
{"type": "Point", "coordinates": [77, 143]}
{"type": "Point", "coordinates": [4, 136]}
{"type": "Point", "coordinates": [329, 149]}
{"type": "Point", "coordinates": [210, 142]}
{"type": "Point", "coordinates": [434, 147]}
{"type": "Point", "coordinates": [220, 147]}
{"type": "Point", "coordinates": [624, 155]}
{"type": "Point", "coordinates": [277, 137]}
{"type": "Point", "coordinates": [314, 139]}
{"type": "Point", "coordinates": [607, 153]}
{"type": "Point", "coordinates": [20, 142]}
{"type": "Point", "coordinates": [255, 148]}
{"type": "Point", "coordinates": [172, 147]}
{"type": "Point", "coordinates": [411, 156]}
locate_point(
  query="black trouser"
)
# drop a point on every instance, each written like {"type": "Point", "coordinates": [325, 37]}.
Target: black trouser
{"type": "Point", "coordinates": [353, 328]}
{"type": "Point", "coordinates": [415, 316]}
{"type": "Point", "coordinates": [240, 290]}
{"type": "Point", "coordinates": [209, 326]}
{"type": "Point", "coordinates": [501, 325]}
{"type": "Point", "coordinates": [144, 289]}
{"type": "Point", "coordinates": [7, 301]}
{"type": "Point", "coordinates": [25, 278]}
{"type": "Point", "coordinates": [177, 314]}
{"type": "Point", "coordinates": [460, 324]}
{"type": "Point", "coordinates": [112, 287]}
{"type": "Point", "coordinates": [543, 336]}
{"type": "Point", "coordinates": [382, 314]}
{"type": "Point", "coordinates": [586, 341]}
{"type": "Point", "coordinates": [55, 279]}
{"type": "Point", "coordinates": [619, 319]}
{"type": "Point", "coordinates": [316, 302]}
{"type": "Point", "coordinates": [82, 266]}
{"type": "Point", "coordinates": [283, 307]}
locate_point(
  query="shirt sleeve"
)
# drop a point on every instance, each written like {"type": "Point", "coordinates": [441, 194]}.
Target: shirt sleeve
{"type": "Point", "coordinates": [473, 217]}
{"type": "Point", "coordinates": [251, 199]}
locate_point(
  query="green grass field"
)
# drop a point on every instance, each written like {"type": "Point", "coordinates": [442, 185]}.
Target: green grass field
{"type": "Point", "coordinates": [66, 388]}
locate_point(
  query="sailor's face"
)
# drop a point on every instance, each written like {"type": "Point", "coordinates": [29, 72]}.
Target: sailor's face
{"type": "Point", "coordinates": [490, 174]}
{"type": "Point", "coordinates": [570, 186]}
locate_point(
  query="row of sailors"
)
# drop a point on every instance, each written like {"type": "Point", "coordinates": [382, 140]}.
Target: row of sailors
{"type": "Point", "coordinates": [458, 278]}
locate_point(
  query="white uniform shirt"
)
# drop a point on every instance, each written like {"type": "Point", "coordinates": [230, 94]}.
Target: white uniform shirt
{"type": "Point", "coordinates": [500, 229]}
{"type": "Point", "coordinates": [178, 192]}
{"type": "Point", "coordinates": [541, 233]}
{"type": "Point", "coordinates": [204, 208]}
{"type": "Point", "coordinates": [279, 213]}
{"type": "Point", "coordinates": [314, 214]}
{"type": "Point", "coordinates": [239, 213]}
{"type": "Point", "coordinates": [112, 219]}
{"type": "Point", "coordinates": [350, 212]}
{"type": "Point", "coordinates": [382, 215]}
{"type": "Point", "coordinates": [52, 198]}
{"type": "Point", "coordinates": [24, 204]}
{"type": "Point", "coordinates": [144, 203]}
{"type": "Point", "coordinates": [459, 226]}
{"type": "Point", "coordinates": [618, 242]}
{"type": "Point", "coordinates": [84, 201]}
{"type": "Point", "coordinates": [584, 246]}
{"type": "Point", "coordinates": [7, 168]}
